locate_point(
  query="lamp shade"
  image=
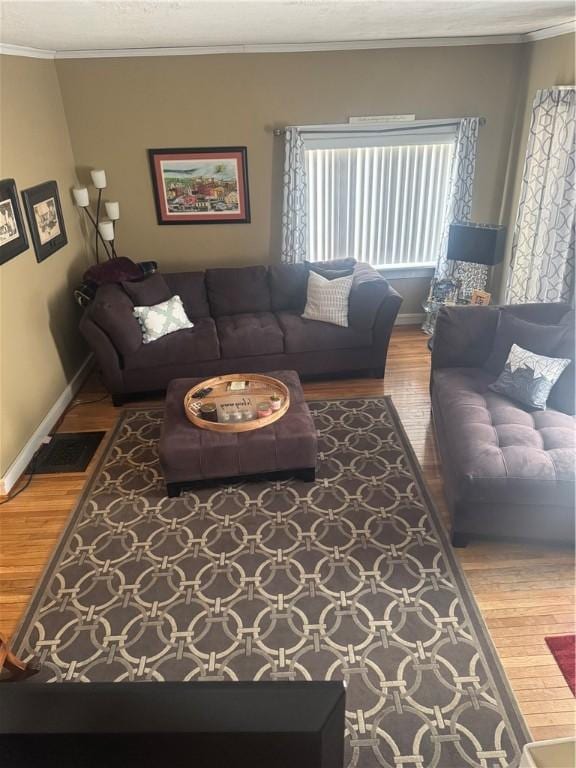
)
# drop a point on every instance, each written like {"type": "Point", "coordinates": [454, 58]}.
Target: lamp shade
{"type": "Point", "coordinates": [81, 198]}
{"type": "Point", "coordinates": [98, 179]}
{"type": "Point", "coordinates": [112, 211]}
{"type": "Point", "coordinates": [476, 243]}
{"type": "Point", "coordinates": [106, 229]}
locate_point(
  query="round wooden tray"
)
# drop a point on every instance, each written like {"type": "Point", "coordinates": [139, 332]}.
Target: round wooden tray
{"type": "Point", "coordinates": [259, 389]}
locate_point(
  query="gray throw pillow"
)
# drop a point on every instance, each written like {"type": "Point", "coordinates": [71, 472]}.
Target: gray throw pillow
{"type": "Point", "coordinates": [161, 319]}
{"type": "Point", "coordinates": [327, 300]}
{"type": "Point", "coordinates": [528, 378]}
{"type": "Point", "coordinates": [535, 337]}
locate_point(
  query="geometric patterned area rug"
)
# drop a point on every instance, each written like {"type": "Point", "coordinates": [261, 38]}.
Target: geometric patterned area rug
{"type": "Point", "coordinates": [351, 577]}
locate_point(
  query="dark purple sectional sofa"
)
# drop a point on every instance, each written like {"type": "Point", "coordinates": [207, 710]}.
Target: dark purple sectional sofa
{"type": "Point", "coordinates": [508, 470]}
{"type": "Point", "coordinates": [245, 319]}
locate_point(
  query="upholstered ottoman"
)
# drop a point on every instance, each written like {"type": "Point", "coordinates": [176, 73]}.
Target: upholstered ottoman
{"type": "Point", "coordinates": [191, 457]}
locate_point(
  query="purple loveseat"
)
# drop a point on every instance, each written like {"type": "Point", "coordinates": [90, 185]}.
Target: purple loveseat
{"type": "Point", "coordinates": [508, 470]}
{"type": "Point", "coordinates": [246, 319]}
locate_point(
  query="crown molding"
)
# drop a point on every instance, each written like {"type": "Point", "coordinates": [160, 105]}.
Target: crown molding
{"type": "Point", "coordinates": [345, 45]}
{"type": "Point", "coordinates": [560, 29]}
{"type": "Point", "coordinates": [30, 53]}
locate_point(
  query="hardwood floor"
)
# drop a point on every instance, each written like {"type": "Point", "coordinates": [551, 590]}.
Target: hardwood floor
{"type": "Point", "coordinates": [525, 591]}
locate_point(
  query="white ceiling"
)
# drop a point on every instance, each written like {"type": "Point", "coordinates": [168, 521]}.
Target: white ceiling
{"type": "Point", "coordinates": [92, 25]}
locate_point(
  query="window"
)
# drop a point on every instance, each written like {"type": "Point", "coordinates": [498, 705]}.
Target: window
{"type": "Point", "coordinates": [378, 196]}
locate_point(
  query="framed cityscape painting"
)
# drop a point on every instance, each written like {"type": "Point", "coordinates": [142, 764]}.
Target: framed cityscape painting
{"type": "Point", "coordinates": [44, 214]}
{"type": "Point", "coordinates": [200, 186]}
{"type": "Point", "coordinates": [13, 238]}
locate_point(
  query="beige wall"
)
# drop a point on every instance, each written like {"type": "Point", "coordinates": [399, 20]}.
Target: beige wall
{"type": "Point", "coordinates": [118, 108]}
{"type": "Point", "coordinates": [64, 118]}
{"type": "Point", "coordinates": [40, 347]}
{"type": "Point", "coordinates": [547, 63]}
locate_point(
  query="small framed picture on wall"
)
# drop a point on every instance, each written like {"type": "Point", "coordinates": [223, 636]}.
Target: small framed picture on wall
{"type": "Point", "coordinates": [13, 238]}
{"type": "Point", "coordinates": [200, 186]}
{"type": "Point", "coordinates": [44, 214]}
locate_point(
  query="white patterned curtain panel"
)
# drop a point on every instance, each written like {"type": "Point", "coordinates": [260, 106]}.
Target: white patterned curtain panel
{"type": "Point", "coordinates": [294, 232]}
{"type": "Point", "coordinates": [459, 205]}
{"type": "Point", "coordinates": [542, 265]}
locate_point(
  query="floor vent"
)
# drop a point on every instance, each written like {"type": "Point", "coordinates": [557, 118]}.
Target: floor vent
{"type": "Point", "coordinates": [66, 452]}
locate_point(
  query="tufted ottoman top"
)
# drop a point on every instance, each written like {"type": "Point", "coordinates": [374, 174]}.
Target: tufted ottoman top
{"type": "Point", "coordinates": [501, 451]}
{"type": "Point", "coordinates": [188, 453]}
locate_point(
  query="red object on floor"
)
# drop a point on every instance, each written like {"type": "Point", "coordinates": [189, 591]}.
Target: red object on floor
{"type": "Point", "coordinates": [563, 648]}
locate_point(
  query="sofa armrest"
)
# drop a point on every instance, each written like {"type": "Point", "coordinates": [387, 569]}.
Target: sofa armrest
{"type": "Point", "coordinates": [104, 351]}
{"type": "Point", "coordinates": [383, 326]}
{"type": "Point", "coordinates": [369, 292]}
{"type": "Point", "coordinates": [373, 305]}
{"type": "Point", "coordinates": [113, 312]}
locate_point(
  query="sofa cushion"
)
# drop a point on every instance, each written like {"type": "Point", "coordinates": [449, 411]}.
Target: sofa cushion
{"type": "Point", "coordinates": [237, 291]}
{"type": "Point", "coordinates": [288, 282]}
{"type": "Point", "coordinates": [465, 335]}
{"type": "Point", "coordinates": [150, 290]}
{"type": "Point", "coordinates": [563, 395]}
{"type": "Point", "coordinates": [301, 335]}
{"type": "Point", "coordinates": [250, 334]}
{"type": "Point", "coordinates": [500, 452]}
{"type": "Point", "coordinates": [535, 337]}
{"type": "Point", "coordinates": [112, 311]}
{"type": "Point", "coordinates": [191, 287]}
{"type": "Point", "coordinates": [186, 346]}
{"type": "Point", "coordinates": [332, 270]}
{"type": "Point", "coordinates": [288, 287]}
{"type": "Point", "coordinates": [338, 265]}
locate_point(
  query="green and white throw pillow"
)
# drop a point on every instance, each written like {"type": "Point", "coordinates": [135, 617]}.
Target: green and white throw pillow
{"type": "Point", "coordinates": [161, 319]}
{"type": "Point", "coordinates": [528, 378]}
{"type": "Point", "coordinates": [327, 300]}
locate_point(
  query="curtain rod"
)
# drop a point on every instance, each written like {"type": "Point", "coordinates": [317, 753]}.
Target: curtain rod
{"type": "Point", "coordinates": [420, 125]}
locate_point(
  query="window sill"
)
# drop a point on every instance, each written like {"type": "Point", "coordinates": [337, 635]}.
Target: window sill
{"type": "Point", "coordinates": [405, 272]}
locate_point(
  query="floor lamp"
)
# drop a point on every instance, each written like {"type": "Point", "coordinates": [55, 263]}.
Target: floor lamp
{"type": "Point", "coordinates": [104, 230]}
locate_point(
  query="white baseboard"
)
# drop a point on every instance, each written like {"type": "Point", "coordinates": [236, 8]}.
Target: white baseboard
{"type": "Point", "coordinates": [415, 319]}
{"type": "Point", "coordinates": [20, 463]}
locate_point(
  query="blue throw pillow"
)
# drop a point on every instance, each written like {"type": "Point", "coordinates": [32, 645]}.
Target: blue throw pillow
{"type": "Point", "coordinates": [528, 378]}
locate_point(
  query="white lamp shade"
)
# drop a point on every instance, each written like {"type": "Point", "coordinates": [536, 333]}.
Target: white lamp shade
{"type": "Point", "coordinates": [98, 179]}
{"type": "Point", "coordinates": [81, 197]}
{"type": "Point", "coordinates": [106, 229]}
{"type": "Point", "coordinates": [112, 211]}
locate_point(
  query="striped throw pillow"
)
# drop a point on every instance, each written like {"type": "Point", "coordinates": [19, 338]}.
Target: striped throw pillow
{"type": "Point", "coordinates": [327, 300]}
{"type": "Point", "coordinates": [161, 319]}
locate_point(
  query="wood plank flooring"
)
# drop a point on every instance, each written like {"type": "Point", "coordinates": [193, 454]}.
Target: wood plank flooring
{"type": "Point", "coordinates": [525, 591]}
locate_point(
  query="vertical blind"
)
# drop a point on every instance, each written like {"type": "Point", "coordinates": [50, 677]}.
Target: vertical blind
{"type": "Point", "coordinates": [383, 205]}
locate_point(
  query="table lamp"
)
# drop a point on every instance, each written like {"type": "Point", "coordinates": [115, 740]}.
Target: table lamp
{"type": "Point", "coordinates": [474, 248]}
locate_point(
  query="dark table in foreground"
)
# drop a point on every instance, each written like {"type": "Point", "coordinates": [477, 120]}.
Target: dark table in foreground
{"type": "Point", "coordinates": [274, 724]}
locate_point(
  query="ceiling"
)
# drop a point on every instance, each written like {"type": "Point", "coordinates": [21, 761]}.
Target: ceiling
{"type": "Point", "coordinates": [100, 25]}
